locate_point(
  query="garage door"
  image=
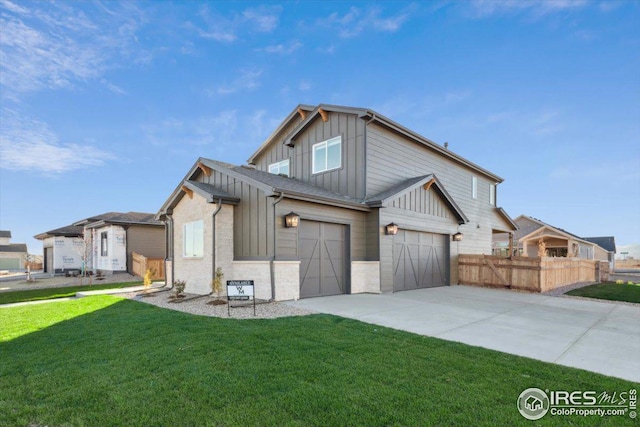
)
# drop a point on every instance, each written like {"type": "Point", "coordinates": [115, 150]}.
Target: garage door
{"type": "Point", "coordinates": [323, 257]}
{"type": "Point", "coordinates": [9, 264]}
{"type": "Point", "coordinates": [420, 260]}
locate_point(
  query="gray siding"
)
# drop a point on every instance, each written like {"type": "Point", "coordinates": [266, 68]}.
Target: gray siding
{"type": "Point", "coordinates": [145, 240]}
{"type": "Point", "coordinates": [287, 240]}
{"type": "Point", "coordinates": [252, 217]}
{"type": "Point", "coordinates": [349, 179]}
{"type": "Point", "coordinates": [392, 158]}
{"type": "Point", "coordinates": [421, 201]}
{"type": "Point", "coordinates": [277, 151]}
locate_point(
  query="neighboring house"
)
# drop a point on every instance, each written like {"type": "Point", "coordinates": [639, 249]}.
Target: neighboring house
{"type": "Point", "coordinates": [106, 242]}
{"type": "Point", "coordinates": [557, 242]}
{"type": "Point", "coordinates": [62, 249]}
{"type": "Point", "coordinates": [337, 200]}
{"type": "Point", "coordinates": [12, 255]}
{"type": "Point", "coordinates": [608, 243]}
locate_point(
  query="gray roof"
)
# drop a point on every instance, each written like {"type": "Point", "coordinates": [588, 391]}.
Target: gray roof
{"type": "Point", "coordinates": [5, 233]}
{"type": "Point", "coordinates": [397, 189]}
{"type": "Point", "coordinates": [553, 226]}
{"type": "Point", "coordinates": [272, 183]}
{"type": "Point", "coordinates": [210, 192]}
{"type": "Point", "coordinates": [129, 218]}
{"type": "Point", "coordinates": [68, 231]}
{"type": "Point", "coordinates": [95, 218]}
{"type": "Point", "coordinates": [607, 243]}
{"type": "Point", "coordinates": [14, 247]}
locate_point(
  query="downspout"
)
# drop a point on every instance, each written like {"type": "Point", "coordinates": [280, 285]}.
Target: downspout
{"type": "Point", "coordinates": [275, 222]}
{"type": "Point", "coordinates": [213, 240]}
{"type": "Point", "coordinates": [169, 248]}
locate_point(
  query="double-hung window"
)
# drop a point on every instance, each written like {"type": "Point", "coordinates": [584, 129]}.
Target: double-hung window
{"type": "Point", "coordinates": [193, 246]}
{"type": "Point", "coordinates": [280, 168]}
{"type": "Point", "coordinates": [327, 155]}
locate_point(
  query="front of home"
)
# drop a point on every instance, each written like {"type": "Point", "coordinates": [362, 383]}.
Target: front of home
{"type": "Point", "coordinates": [13, 256]}
{"type": "Point", "coordinates": [337, 200]}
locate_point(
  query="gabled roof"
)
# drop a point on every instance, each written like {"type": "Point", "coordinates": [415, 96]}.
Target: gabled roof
{"type": "Point", "coordinates": [14, 247]}
{"type": "Point", "coordinates": [507, 218]}
{"type": "Point", "coordinates": [129, 218]}
{"type": "Point", "coordinates": [68, 231]}
{"type": "Point", "coordinates": [5, 234]}
{"type": "Point", "coordinates": [210, 193]}
{"type": "Point", "coordinates": [312, 113]}
{"type": "Point", "coordinates": [542, 224]}
{"type": "Point", "coordinates": [608, 243]}
{"type": "Point", "coordinates": [285, 123]}
{"type": "Point", "coordinates": [95, 218]}
{"type": "Point", "coordinates": [381, 199]}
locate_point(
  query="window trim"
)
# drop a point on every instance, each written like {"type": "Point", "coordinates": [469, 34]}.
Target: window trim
{"type": "Point", "coordinates": [474, 187]}
{"type": "Point", "coordinates": [104, 243]}
{"type": "Point", "coordinates": [492, 194]}
{"type": "Point", "coordinates": [184, 239]}
{"type": "Point", "coordinates": [279, 165]}
{"type": "Point", "coordinates": [326, 145]}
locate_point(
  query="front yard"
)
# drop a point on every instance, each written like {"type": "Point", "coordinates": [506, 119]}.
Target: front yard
{"type": "Point", "coordinates": [609, 291]}
{"type": "Point", "coordinates": [107, 361]}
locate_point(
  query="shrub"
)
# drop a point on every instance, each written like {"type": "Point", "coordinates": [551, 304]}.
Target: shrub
{"type": "Point", "coordinates": [179, 286]}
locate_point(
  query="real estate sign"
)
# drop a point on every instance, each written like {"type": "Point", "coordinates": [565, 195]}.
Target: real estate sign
{"type": "Point", "coordinates": [240, 290]}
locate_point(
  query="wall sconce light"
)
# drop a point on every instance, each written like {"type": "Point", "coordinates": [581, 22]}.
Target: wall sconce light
{"type": "Point", "coordinates": [291, 220]}
{"type": "Point", "coordinates": [391, 229]}
{"type": "Point", "coordinates": [457, 237]}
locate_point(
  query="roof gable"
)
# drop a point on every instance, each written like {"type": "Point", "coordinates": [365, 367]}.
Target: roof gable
{"type": "Point", "coordinates": [608, 243]}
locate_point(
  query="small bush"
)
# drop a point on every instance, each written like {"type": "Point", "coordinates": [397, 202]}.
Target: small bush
{"type": "Point", "coordinates": [179, 287]}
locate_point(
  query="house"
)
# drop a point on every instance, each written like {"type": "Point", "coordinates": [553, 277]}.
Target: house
{"type": "Point", "coordinates": [608, 243]}
{"type": "Point", "coordinates": [337, 200]}
{"type": "Point", "coordinates": [12, 255]}
{"type": "Point", "coordinates": [104, 242]}
{"type": "Point", "coordinates": [557, 242]}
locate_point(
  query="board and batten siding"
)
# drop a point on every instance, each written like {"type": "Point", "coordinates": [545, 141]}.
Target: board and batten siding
{"type": "Point", "coordinates": [148, 241]}
{"type": "Point", "coordinates": [252, 217]}
{"type": "Point", "coordinates": [349, 179]}
{"type": "Point", "coordinates": [287, 238]}
{"type": "Point", "coordinates": [276, 150]}
{"type": "Point", "coordinates": [392, 158]}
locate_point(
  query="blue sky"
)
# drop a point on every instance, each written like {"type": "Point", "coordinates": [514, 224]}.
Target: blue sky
{"type": "Point", "coordinates": [104, 106]}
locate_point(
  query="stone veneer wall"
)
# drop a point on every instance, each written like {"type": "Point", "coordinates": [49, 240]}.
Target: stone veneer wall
{"type": "Point", "coordinates": [365, 277]}
{"type": "Point", "coordinates": [287, 280]}
{"type": "Point", "coordinates": [258, 271]}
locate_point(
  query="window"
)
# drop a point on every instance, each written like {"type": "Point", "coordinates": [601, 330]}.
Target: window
{"type": "Point", "coordinates": [474, 187]}
{"type": "Point", "coordinates": [492, 194]}
{"type": "Point", "coordinates": [193, 240]}
{"type": "Point", "coordinates": [104, 243]}
{"type": "Point", "coordinates": [280, 168]}
{"type": "Point", "coordinates": [327, 155]}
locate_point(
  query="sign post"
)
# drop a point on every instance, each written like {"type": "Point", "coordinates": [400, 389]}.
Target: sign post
{"type": "Point", "coordinates": [240, 290]}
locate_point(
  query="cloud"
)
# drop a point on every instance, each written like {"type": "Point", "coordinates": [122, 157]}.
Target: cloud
{"type": "Point", "coordinates": [28, 144]}
{"type": "Point", "coordinates": [485, 8]}
{"type": "Point", "coordinates": [226, 28]}
{"type": "Point", "coordinates": [356, 21]}
{"type": "Point", "coordinates": [247, 80]}
{"type": "Point", "coordinates": [51, 46]}
{"type": "Point", "coordinates": [282, 49]}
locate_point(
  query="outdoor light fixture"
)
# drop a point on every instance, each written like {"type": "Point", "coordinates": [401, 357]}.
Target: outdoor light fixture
{"type": "Point", "coordinates": [391, 229]}
{"type": "Point", "coordinates": [291, 220]}
{"type": "Point", "coordinates": [457, 237]}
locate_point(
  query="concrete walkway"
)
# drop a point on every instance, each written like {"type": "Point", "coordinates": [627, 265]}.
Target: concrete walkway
{"type": "Point", "coordinates": [597, 336]}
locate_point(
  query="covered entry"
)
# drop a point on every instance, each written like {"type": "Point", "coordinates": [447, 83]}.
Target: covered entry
{"type": "Point", "coordinates": [420, 260]}
{"type": "Point", "coordinates": [323, 251]}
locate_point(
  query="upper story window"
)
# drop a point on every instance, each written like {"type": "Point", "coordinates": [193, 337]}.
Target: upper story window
{"type": "Point", "coordinates": [492, 194]}
{"type": "Point", "coordinates": [193, 239]}
{"type": "Point", "coordinates": [280, 168]}
{"type": "Point", "coordinates": [327, 155]}
{"type": "Point", "coordinates": [104, 243]}
{"type": "Point", "coordinates": [474, 187]}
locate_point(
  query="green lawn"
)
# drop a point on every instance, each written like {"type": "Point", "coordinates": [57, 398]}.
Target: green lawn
{"type": "Point", "coordinates": [609, 291]}
{"type": "Point", "coordinates": [53, 293]}
{"type": "Point", "coordinates": [106, 361]}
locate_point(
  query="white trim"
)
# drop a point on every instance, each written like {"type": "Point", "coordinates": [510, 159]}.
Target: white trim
{"type": "Point", "coordinates": [185, 231]}
{"type": "Point", "coordinates": [279, 166]}
{"type": "Point", "coordinates": [474, 187]}
{"type": "Point", "coordinates": [329, 142]}
{"type": "Point", "coordinates": [492, 194]}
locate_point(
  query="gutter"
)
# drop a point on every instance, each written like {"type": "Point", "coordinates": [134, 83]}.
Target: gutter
{"type": "Point", "coordinates": [275, 221]}
{"type": "Point", "coordinates": [213, 239]}
{"type": "Point", "coordinates": [169, 249]}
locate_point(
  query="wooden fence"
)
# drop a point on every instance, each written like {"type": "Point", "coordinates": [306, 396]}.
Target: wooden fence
{"type": "Point", "coordinates": [530, 274]}
{"type": "Point", "coordinates": [141, 263]}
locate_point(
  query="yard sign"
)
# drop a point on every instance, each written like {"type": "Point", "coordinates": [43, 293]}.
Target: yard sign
{"type": "Point", "coordinates": [240, 290]}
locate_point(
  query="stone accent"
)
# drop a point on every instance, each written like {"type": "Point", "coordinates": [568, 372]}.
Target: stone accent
{"type": "Point", "coordinates": [365, 277]}
{"type": "Point", "coordinates": [224, 245]}
{"type": "Point", "coordinates": [258, 271]}
{"type": "Point", "coordinates": [287, 280]}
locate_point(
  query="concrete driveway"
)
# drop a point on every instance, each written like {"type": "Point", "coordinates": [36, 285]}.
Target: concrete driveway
{"type": "Point", "coordinates": [597, 336]}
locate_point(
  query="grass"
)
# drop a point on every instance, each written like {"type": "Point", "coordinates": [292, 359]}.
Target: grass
{"type": "Point", "coordinates": [61, 292]}
{"type": "Point", "coordinates": [111, 362]}
{"type": "Point", "coordinates": [609, 291]}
